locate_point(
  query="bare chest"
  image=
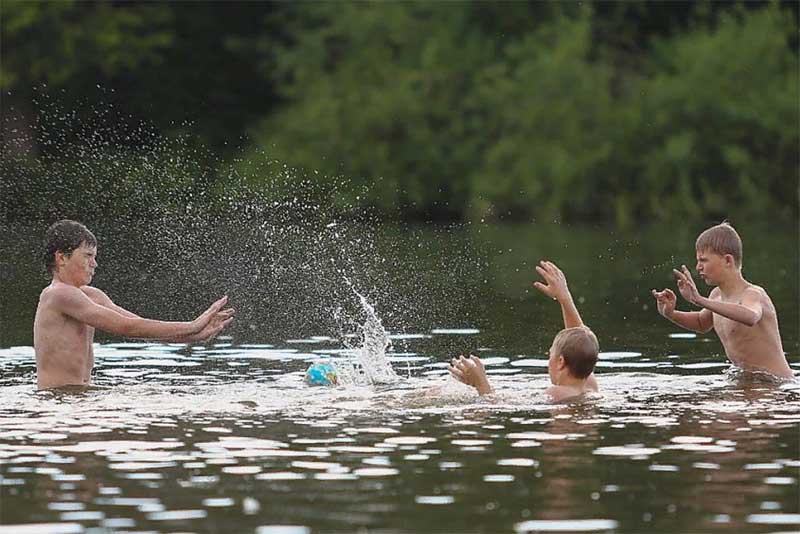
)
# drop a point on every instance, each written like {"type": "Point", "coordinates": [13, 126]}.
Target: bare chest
{"type": "Point", "coordinates": [729, 330]}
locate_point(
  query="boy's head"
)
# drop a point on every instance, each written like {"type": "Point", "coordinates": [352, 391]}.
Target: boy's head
{"type": "Point", "coordinates": [718, 248]}
{"type": "Point", "coordinates": [65, 236]}
{"type": "Point", "coordinates": [574, 351]}
{"type": "Point", "coordinates": [721, 239]}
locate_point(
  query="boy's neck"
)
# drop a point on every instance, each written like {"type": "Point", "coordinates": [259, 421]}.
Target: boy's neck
{"type": "Point", "coordinates": [734, 283]}
{"type": "Point", "coordinates": [60, 280]}
{"type": "Point", "coordinates": [567, 380]}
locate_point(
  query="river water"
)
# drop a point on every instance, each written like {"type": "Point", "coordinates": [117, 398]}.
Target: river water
{"type": "Point", "coordinates": [227, 437]}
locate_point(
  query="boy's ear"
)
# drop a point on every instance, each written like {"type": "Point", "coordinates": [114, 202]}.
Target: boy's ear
{"type": "Point", "coordinates": [560, 361]}
{"type": "Point", "coordinates": [729, 259]}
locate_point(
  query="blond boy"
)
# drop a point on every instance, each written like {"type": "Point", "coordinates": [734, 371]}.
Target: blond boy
{"type": "Point", "coordinates": [741, 313]}
{"type": "Point", "coordinates": [70, 310]}
{"type": "Point", "coordinates": [573, 354]}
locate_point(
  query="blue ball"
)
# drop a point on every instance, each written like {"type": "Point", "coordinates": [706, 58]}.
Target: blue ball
{"type": "Point", "coordinates": [321, 374]}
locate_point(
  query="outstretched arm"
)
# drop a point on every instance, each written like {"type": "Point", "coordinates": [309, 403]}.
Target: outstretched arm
{"type": "Point", "coordinates": [75, 303]}
{"type": "Point", "coordinates": [470, 371]}
{"type": "Point", "coordinates": [218, 322]}
{"type": "Point", "coordinates": [749, 312]}
{"type": "Point", "coordinates": [556, 288]}
{"type": "Point", "coordinates": [666, 300]}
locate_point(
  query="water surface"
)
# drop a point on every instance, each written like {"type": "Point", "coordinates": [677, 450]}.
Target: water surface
{"type": "Point", "coordinates": [226, 437]}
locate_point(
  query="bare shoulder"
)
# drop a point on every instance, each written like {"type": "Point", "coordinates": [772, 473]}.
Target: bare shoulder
{"type": "Point", "coordinates": [560, 393]}
{"type": "Point", "coordinates": [97, 295]}
{"type": "Point", "coordinates": [714, 294]}
{"type": "Point", "coordinates": [757, 290]}
{"type": "Point", "coordinates": [553, 392]}
{"type": "Point", "coordinates": [60, 296]}
{"type": "Point", "coordinates": [62, 291]}
{"type": "Point", "coordinates": [760, 294]}
{"type": "Point", "coordinates": [754, 292]}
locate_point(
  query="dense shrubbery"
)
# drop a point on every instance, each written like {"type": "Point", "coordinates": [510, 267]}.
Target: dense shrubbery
{"type": "Point", "coordinates": [476, 109]}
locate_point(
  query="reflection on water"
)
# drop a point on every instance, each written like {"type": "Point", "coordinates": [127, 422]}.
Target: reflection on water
{"type": "Point", "coordinates": [227, 437]}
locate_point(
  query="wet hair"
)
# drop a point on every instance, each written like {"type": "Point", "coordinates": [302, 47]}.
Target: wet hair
{"type": "Point", "coordinates": [65, 236]}
{"type": "Point", "coordinates": [579, 347]}
{"type": "Point", "coordinates": [721, 239]}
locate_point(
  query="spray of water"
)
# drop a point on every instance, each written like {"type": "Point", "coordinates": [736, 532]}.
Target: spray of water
{"type": "Point", "coordinates": [177, 227]}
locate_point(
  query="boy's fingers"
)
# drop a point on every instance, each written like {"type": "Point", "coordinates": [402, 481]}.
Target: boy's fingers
{"type": "Point", "coordinates": [456, 374]}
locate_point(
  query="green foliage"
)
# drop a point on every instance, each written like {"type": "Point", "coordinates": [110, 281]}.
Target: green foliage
{"type": "Point", "coordinates": [62, 42]}
{"type": "Point", "coordinates": [543, 122]}
{"type": "Point", "coordinates": [548, 114]}
{"type": "Point", "coordinates": [623, 111]}
{"type": "Point", "coordinates": [718, 118]}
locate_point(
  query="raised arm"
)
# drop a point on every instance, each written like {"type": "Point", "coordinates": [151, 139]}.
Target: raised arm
{"type": "Point", "coordinates": [556, 288]}
{"type": "Point", "coordinates": [749, 312]}
{"type": "Point", "coordinates": [75, 303]}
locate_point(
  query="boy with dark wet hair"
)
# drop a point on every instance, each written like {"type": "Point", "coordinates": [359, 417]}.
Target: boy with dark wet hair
{"type": "Point", "coordinates": [741, 313]}
{"type": "Point", "coordinates": [573, 354]}
{"type": "Point", "coordinates": [70, 310]}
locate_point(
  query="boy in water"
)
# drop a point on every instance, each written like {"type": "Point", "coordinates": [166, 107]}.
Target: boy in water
{"type": "Point", "coordinates": [70, 310]}
{"type": "Point", "coordinates": [573, 354]}
{"type": "Point", "coordinates": [741, 313]}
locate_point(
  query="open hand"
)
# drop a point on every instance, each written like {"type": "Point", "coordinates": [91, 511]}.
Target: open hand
{"type": "Point", "coordinates": [556, 283]}
{"type": "Point", "coordinates": [666, 301]}
{"type": "Point", "coordinates": [686, 285]}
{"type": "Point", "coordinates": [216, 325]}
{"type": "Point", "coordinates": [470, 371]}
{"type": "Point", "coordinates": [205, 318]}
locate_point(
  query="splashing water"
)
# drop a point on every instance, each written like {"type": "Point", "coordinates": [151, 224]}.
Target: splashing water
{"type": "Point", "coordinates": [372, 366]}
{"type": "Point", "coordinates": [375, 341]}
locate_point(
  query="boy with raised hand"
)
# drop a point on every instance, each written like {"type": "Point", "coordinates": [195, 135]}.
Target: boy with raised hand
{"type": "Point", "coordinates": [573, 354]}
{"type": "Point", "coordinates": [741, 313]}
{"type": "Point", "coordinates": [70, 310]}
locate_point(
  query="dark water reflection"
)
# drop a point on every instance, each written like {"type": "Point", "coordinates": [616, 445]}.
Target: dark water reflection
{"type": "Point", "coordinates": [227, 438]}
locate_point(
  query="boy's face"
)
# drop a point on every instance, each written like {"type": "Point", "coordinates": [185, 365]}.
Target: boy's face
{"type": "Point", "coordinates": [77, 268]}
{"type": "Point", "coordinates": [712, 266]}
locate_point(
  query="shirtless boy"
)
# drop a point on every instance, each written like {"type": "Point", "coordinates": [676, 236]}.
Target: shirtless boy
{"type": "Point", "coordinates": [573, 354]}
{"type": "Point", "coordinates": [70, 310]}
{"type": "Point", "coordinates": [741, 313]}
